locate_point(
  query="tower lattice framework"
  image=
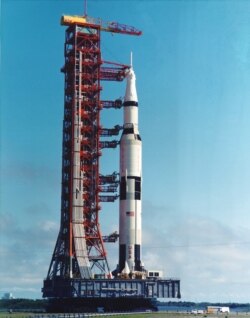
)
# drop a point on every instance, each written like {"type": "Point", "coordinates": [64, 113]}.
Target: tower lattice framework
{"type": "Point", "coordinates": [79, 240]}
{"type": "Point", "coordinates": [79, 251]}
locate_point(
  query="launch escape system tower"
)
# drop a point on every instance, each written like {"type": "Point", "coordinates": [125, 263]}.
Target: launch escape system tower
{"type": "Point", "coordinates": [79, 277]}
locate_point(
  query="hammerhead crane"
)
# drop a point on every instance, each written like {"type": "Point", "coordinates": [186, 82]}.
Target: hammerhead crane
{"type": "Point", "coordinates": [113, 27]}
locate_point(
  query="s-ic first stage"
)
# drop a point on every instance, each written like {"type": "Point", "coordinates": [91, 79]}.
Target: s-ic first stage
{"type": "Point", "coordinates": [79, 278]}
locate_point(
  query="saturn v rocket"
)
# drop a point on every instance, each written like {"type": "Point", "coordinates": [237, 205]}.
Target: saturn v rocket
{"type": "Point", "coordinates": [130, 183]}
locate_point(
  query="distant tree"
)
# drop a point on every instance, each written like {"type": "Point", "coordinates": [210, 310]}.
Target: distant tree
{"type": "Point", "coordinates": [20, 303]}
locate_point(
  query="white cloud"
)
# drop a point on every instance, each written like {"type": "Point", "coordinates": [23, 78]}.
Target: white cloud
{"type": "Point", "coordinates": [25, 253]}
{"type": "Point", "coordinates": [48, 226]}
{"type": "Point", "coordinates": [211, 259]}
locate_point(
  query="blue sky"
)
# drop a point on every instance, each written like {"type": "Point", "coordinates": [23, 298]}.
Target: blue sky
{"type": "Point", "coordinates": [193, 73]}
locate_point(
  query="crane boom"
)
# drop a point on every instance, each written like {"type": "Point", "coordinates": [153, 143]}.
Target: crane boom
{"type": "Point", "coordinates": [113, 27]}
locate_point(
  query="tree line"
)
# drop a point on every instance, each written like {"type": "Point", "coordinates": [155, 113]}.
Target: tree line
{"type": "Point", "coordinates": [41, 304]}
{"type": "Point", "coordinates": [19, 303]}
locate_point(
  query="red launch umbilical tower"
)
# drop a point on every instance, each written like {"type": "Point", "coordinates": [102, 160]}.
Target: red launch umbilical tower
{"type": "Point", "coordinates": [79, 250]}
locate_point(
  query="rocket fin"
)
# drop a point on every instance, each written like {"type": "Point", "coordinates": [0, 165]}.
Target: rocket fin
{"type": "Point", "coordinates": [126, 269]}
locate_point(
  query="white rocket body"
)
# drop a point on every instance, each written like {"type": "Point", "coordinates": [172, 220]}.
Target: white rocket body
{"type": "Point", "coordinates": [130, 182]}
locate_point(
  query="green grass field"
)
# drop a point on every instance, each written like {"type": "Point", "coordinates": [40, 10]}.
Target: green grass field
{"type": "Point", "coordinates": [142, 315]}
{"type": "Point", "coordinates": [15, 315]}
